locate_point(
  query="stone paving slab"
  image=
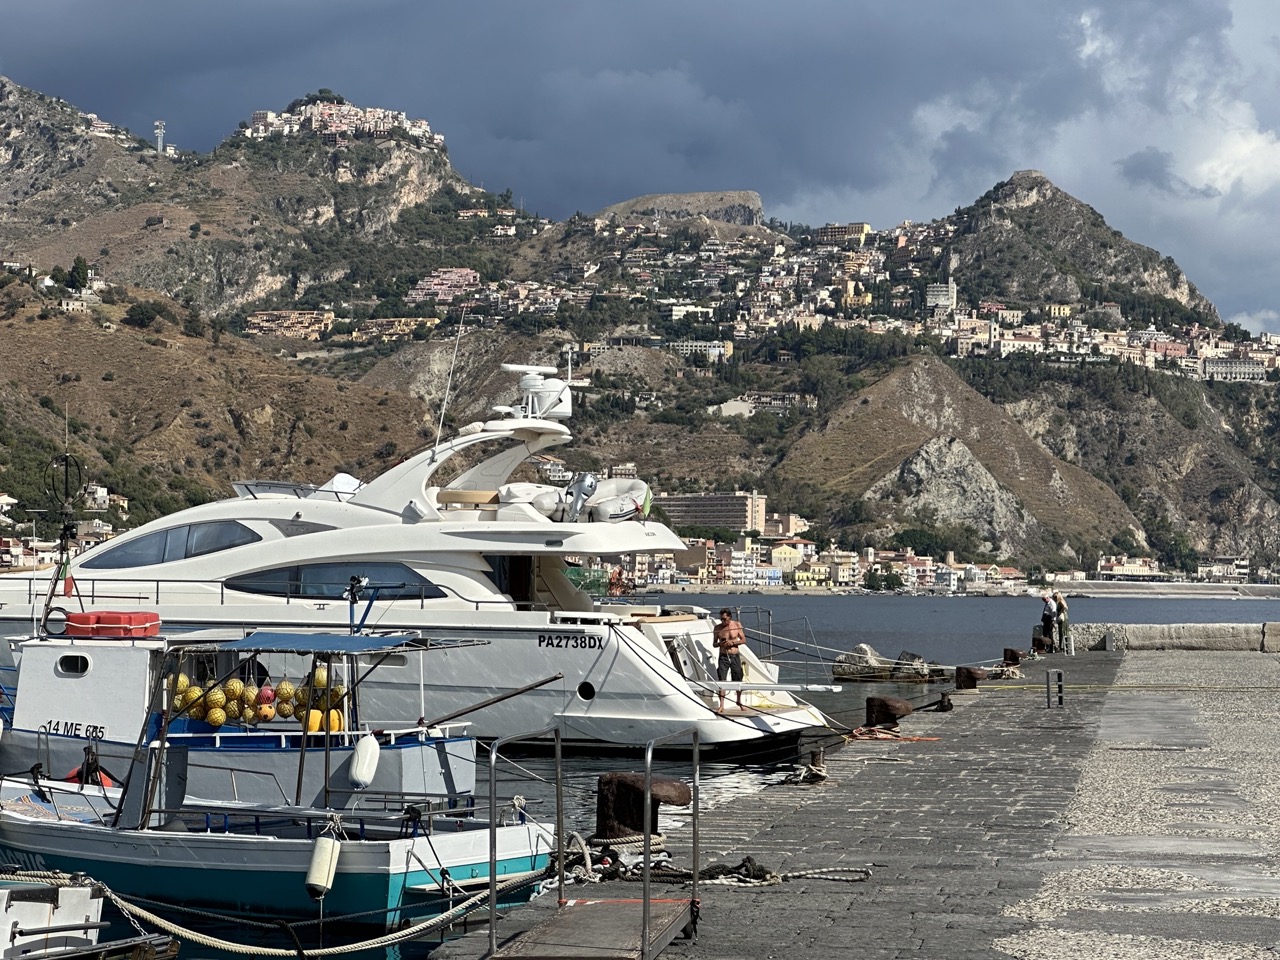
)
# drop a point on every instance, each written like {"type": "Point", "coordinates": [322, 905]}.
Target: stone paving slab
{"type": "Point", "coordinates": [1137, 820]}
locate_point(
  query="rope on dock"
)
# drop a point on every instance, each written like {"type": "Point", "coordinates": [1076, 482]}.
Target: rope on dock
{"type": "Point", "coordinates": [751, 874]}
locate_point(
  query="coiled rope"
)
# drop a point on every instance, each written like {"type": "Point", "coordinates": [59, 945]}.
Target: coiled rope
{"type": "Point", "coordinates": [629, 844]}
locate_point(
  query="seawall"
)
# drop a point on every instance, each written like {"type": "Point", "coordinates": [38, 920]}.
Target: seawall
{"type": "Point", "coordinates": [1223, 637]}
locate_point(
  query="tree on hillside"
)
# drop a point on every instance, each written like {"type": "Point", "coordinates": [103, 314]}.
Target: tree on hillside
{"type": "Point", "coordinates": [78, 279]}
{"type": "Point", "coordinates": [142, 315]}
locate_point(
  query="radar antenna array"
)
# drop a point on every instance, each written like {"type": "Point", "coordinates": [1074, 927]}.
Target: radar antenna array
{"type": "Point", "coordinates": [64, 486]}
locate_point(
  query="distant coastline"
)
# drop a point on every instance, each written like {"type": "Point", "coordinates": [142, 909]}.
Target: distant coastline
{"type": "Point", "coordinates": [1076, 588]}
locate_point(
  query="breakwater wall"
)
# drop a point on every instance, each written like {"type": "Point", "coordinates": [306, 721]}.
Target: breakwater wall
{"type": "Point", "coordinates": [1263, 637]}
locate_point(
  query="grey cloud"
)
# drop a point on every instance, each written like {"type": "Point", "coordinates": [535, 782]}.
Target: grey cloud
{"type": "Point", "coordinates": [1153, 168]}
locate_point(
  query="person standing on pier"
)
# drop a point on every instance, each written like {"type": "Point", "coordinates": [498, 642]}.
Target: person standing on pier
{"type": "Point", "coordinates": [1064, 626]}
{"type": "Point", "coordinates": [1048, 617]}
{"type": "Point", "coordinates": [728, 638]}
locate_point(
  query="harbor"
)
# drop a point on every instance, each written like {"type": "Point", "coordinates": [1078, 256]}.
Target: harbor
{"type": "Point", "coordinates": [1137, 818]}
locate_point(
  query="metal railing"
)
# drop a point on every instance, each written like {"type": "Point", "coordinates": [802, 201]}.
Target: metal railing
{"type": "Point", "coordinates": [494, 747]}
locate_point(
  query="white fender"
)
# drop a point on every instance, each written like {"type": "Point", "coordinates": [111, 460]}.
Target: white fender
{"type": "Point", "coordinates": [324, 864]}
{"type": "Point", "coordinates": [364, 761]}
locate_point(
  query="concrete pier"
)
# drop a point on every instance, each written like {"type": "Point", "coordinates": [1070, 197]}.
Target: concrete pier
{"type": "Point", "coordinates": [1139, 819]}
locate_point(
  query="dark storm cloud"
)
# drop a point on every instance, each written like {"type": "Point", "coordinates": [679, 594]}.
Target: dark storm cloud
{"type": "Point", "coordinates": [1153, 168]}
{"type": "Point", "coordinates": [578, 105]}
{"type": "Point", "coordinates": [831, 110]}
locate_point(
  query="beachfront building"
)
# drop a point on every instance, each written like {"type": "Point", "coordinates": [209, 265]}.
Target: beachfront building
{"type": "Point", "coordinates": [1224, 570]}
{"type": "Point", "coordinates": [739, 511]}
{"type": "Point", "coordinates": [1124, 567]}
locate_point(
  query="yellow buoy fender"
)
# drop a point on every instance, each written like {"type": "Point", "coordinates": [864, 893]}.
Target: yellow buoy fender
{"type": "Point", "coordinates": [324, 864]}
{"type": "Point", "coordinates": [364, 761]}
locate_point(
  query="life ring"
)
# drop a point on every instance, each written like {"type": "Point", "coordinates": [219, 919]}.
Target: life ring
{"type": "Point", "coordinates": [97, 779]}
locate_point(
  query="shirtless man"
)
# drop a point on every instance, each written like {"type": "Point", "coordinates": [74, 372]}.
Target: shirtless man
{"type": "Point", "coordinates": [728, 638]}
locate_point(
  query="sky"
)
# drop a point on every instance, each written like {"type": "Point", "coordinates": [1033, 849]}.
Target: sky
{"type": "Point", "coordinates": [1160, 114]}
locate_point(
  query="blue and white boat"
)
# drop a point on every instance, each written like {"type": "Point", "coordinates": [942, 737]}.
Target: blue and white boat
{"type": "Point", "coordinates": [371, 845]}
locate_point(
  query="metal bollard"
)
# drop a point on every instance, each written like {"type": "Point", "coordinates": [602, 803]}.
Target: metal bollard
{"type": "Point", "coordinates": [1048, 687]}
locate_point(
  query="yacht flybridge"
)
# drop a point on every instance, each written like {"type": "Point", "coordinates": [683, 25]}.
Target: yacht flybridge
{"type": "Point", "coordinates": [478, 557]}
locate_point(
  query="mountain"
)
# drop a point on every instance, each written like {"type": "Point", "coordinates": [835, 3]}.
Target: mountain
{"type": "Point", "coordinates": [740, 207]}
{"type": "Point", "coordinates": [930, 446]}
{"type": "Point", "coordinates": [1030, 243]}
{"type": "Point", "coordinates": [1019, 459]}
{"type": "Point", "coordinates": [252, 220]}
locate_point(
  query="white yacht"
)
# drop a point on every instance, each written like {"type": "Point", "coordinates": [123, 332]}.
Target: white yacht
{"type": "Point", "coordinates": [476, 557]}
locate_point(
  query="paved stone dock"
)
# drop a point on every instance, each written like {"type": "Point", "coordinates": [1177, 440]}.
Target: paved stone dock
{"type": "Point", "coordinates": [1139, 820]}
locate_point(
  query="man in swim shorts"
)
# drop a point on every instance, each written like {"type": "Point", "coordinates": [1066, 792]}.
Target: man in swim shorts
{"type": "Point", "coordinates": [728, 638]}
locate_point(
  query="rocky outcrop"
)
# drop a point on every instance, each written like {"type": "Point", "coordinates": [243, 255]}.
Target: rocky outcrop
{"type": "Point", "coordinates": [944, 479]}
{"type": "Point", "coordinates": [920, 443]}
{"type": "Point", "coordinates": [740, 207]}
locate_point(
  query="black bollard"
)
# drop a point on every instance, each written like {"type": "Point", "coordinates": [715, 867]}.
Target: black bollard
{"type": "Point", "coordinates": [620, 803]}
{"type": "Point", "coordinates": [886, 711]}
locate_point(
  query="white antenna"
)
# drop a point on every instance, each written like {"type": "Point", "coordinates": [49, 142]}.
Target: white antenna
{"type": "Point", "coordinates": [159, 128]}
{"type": "Point", "coordinates": [444, 403]}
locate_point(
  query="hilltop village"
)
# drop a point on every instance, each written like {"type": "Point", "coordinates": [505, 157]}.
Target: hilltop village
{"type": "Point", "coordinates": [744, 289]}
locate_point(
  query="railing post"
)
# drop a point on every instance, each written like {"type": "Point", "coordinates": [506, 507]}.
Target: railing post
{"type": "Point", "coordinates": [493, 821]}
{"type": "Point", "coordinates": [1050, 676]}
{"type": "Point", "coordinates": [648, 830]}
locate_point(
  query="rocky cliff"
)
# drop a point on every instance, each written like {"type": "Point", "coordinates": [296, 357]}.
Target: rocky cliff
{"type": "Point", "coordinates": [921, 446]}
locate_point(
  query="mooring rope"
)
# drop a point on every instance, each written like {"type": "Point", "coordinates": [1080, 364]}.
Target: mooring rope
{"type": "Point", "coordinates": [750, 874]}
{"type": "Point", "coordinates": [135, 913]}
{"type": "Point", "coordinates": [408, 933]}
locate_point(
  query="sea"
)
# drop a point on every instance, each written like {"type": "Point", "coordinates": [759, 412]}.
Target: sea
{"type": "Point", "coordinates": [803, 633]}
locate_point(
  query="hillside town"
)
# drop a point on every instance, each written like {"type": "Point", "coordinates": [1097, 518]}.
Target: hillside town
{"type": "Point", "coordinates": [748, 288]}
{"type": "Point", "coordinates": [709, 297]}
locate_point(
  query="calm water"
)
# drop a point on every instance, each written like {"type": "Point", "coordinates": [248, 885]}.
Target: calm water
{"type": "Point", "coordinates": [807, 632]}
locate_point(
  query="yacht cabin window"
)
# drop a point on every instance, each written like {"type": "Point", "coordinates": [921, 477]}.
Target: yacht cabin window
{"type": "Point", "coordinates": [176, 543]}
{"type": "Point", "coordinates": [329, 581]}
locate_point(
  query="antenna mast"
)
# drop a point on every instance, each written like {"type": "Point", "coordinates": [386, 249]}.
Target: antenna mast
{"type": "Point", "coordinates": [159, 128]}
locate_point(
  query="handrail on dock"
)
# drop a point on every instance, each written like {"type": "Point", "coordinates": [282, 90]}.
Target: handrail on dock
{"type": "Point", "coordinates": [648, 830]}
{"type": "Point", "coordinates": [493, 821]}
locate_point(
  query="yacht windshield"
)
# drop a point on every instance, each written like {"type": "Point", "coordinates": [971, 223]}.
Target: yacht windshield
{"type": "Point", "coordinates": [176, 543]}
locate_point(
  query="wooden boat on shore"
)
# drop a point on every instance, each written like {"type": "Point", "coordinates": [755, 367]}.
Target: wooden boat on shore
{"type": "Point", "coordinates": [865, 665]}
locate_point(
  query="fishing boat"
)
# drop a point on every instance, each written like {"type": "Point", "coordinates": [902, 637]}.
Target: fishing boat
{"type": "Point", "coordinates": [370, 850]}
{"type": "Point", "coordinates": [76, 705]}
{"type": "Point", "coordinates": [480, 555]}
